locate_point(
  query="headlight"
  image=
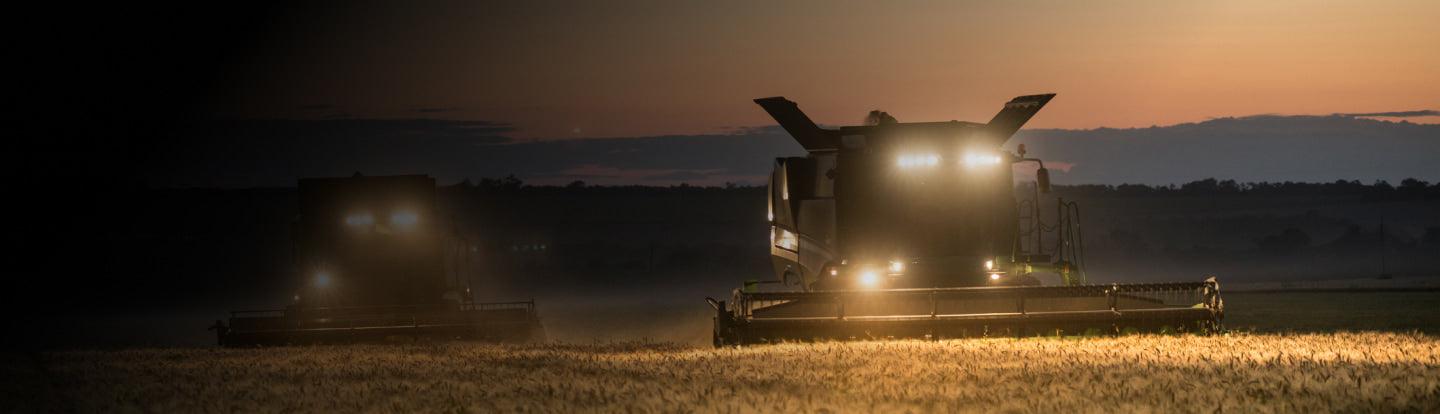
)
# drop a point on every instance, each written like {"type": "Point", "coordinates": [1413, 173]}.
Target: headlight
{"type": "Point", "coordinates": [979, 160]}
{"type": "Point", "coordinates": [404, 218]}
{"type": "Point", "coordinates": [897, 266]}
{"type": "Point", "coordinates": [785, 240]}
{"type": "Point", "coordinates": [929, 160]}
{"type": "Point", "coordinates": [994, 276]}
{"type": "Point", "coordinates": [359, 220]}
{"type": "Point", "coordinates": [869, 278]}
{"type": "Point", "coordinates": [989, 265]}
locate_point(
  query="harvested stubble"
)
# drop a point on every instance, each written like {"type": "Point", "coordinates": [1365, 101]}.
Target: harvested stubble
{"type": "Point", "coordinates": [1351, 372]}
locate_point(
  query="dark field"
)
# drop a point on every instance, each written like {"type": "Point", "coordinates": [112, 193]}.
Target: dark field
{"type": "Point", "coordinates": [1276, 312]}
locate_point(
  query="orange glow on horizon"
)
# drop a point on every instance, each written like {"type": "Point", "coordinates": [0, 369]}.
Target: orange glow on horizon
{"type": "Point", "coordinates": [602, 70]}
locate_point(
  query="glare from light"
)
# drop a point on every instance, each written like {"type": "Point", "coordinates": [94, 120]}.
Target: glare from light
{"type": "Point", "coordinates": [978, 160]}
{"type": "Point", "coordinates": [897, 267]}
{"type": "Point", "coordinates": [786, 240]}
{"type": "Point", "coordinates": [995, 276]}
{"type": "Point", "coordinates": [919, 161]}
{"type": "Point", "coordinates": [989, 265]}
{"type": "Point", "coordinates": [359, 220]}
{"type": "Point", "coordinates": [869, 278]}
{"type": "Point", "coordinates": [403, 218]}
{"type": "Point", "coordinates": [322, 279]}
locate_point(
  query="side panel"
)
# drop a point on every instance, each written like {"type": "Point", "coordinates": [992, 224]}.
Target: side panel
{"type": "Point", "coordinates": [817, 244]}
{"type": "Point", "coordinates": [781, 220]}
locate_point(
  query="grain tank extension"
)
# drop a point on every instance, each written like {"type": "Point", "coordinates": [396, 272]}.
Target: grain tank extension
{"type": "Point", "coordinates": [897, 229]}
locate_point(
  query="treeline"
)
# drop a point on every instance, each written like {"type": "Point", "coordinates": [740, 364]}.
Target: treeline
{"type": "Point", "coordinates": [1409, 188]}
{"type": "Point", "coordinates": [514, 184]}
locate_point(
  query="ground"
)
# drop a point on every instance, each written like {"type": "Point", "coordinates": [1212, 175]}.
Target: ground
{"type": "Point", "coordinates": [1345, 372]}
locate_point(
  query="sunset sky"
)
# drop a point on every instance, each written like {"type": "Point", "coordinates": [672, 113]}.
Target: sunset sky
{"type": "Point", "coordinates": [626, 69]}
{"type": "Point", "coordinates": [660, 93]}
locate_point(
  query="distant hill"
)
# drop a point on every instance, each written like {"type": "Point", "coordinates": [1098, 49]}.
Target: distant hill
{"type": "Point", "coordinates": [1256, 148]}
{"type": "Point", "coordinates": [246, 153]}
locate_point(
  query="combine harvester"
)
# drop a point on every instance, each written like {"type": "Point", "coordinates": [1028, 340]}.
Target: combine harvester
{"type": "Point", "coordinates": [375, 264]}
{"type": "Point", "coordinates": [915, 230]}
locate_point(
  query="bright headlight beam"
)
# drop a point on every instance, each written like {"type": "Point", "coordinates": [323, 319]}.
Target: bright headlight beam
{"type": "Point", "coordinates": [977, 160]}
{"type": "Point", "coordinates": [869, 278]}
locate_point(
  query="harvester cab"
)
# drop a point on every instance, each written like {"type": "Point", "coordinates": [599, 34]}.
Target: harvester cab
{"type": "Point", "coordinates": [915, 229]}
{"type": "Point", "coordinates": [373, 262]}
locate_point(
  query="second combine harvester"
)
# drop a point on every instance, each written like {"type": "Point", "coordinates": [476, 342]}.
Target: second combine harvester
{"type": "Point", "coordinates": [915, 230]}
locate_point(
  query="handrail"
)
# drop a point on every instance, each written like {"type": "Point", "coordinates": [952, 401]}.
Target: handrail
{"type": "Point", "coordinates": [1097, 290]}
{"type": "Point", "coordinates": [1208, 295]}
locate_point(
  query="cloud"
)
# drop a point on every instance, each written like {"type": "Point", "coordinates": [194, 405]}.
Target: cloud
{"type": "Point", "coordinates": [248, 153]}
{"type": "Point", "coordinates": [684, 175]}
{"type": "Point", "coordinates": [1262, 148]}
{"type": "Point", "coordinates": [434, 110]}
{"type": "Point", "coordinates": [597, 174]}
{"type": "Point", "coordinates": [1255, 148]}
{"type": "Point", "coordinates": [1398, 114]}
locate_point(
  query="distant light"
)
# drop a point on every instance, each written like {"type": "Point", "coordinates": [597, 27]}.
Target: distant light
{"type": "Point", "coordinates": [322, 279]}
{"type": "Point", "coordinates": [989, 265]}
{"type": "Point", "coordinates": [834, 271]}
{"type": "Point", "coordinates": [995, 276]}
{"type": "Point", "coordinates": [297, 298]}
{"type": "Point", "coordinates": [359, 220]}
{"type": "Point", "coordinates": [869, 278]}
{"type": "Point", "coordinates": [404, 218]}
{"type": "Point", "coordinates": [897, 267]}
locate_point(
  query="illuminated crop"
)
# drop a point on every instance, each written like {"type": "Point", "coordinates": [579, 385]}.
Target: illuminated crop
{"type": "Point", "coordinates": [1346, 372]}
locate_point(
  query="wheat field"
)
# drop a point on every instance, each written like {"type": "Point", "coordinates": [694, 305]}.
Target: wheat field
{"type": "Point", "coordinates": [1348, 372]}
